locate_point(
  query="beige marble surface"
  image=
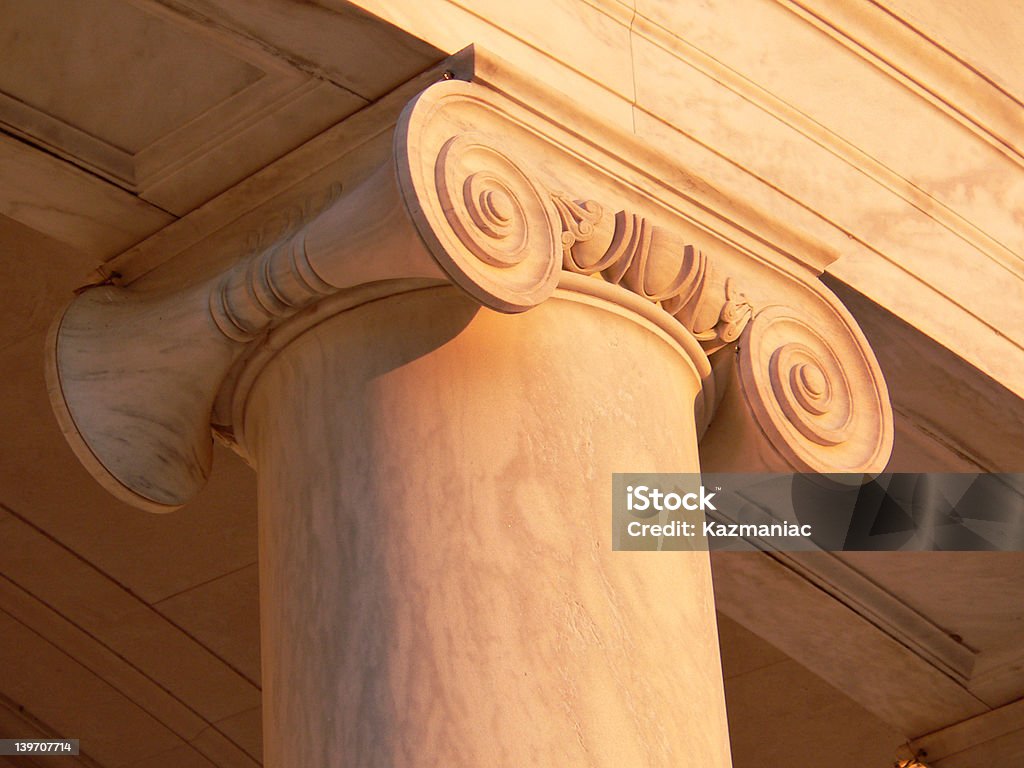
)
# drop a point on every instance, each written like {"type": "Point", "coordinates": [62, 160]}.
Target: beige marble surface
{"type": "Point", "coordinates": [436, 575]}
{"type": "Point", "coordinates": [99, 625]}
{"type": "Point", "coordinates": [71, 205]}
{"type": "Point", "coordinates": [137, 370]}
{"type": "Point", "coordinates": [906, 159]}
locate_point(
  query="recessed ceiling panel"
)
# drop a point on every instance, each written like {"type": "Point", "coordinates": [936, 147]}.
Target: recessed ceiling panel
{"type": "Point", "coordinates": [118, 74]}
{"type": "Point", "coordinates": [158, 102]}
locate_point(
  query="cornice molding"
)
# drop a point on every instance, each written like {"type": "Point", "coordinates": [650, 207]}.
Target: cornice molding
{"type": "Point", "coordinates": [472, 192]}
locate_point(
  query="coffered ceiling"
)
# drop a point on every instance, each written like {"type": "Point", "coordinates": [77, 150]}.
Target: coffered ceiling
{"type": "Point", "coordinates": [148, 100]}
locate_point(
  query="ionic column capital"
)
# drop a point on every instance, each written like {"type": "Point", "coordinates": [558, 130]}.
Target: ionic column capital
{"type": "Point", "coordinates": [485, 194]}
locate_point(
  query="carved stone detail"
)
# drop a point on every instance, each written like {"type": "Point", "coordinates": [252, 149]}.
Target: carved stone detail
{"type": "Point", "coordinates": [732, 319]}
{"type": "Point", "coordinates": [585, 232]}
{"type": "Point", "coordinates": [135, 371]}
{"type": "Point", "coordinates": [123, 373]}
{"type": "Point", "coordinates": [652, 262]}
{"type": "Point", "coordinates": [268, 287]}
{"type": "Point", "coordinates": [276, 279]}
{"type": "Point", "coordinates": [486, 221]}
{"type": "Point", "coordinates": [285, 223]}
{"type": "Point", "coordinates": [816, 395]}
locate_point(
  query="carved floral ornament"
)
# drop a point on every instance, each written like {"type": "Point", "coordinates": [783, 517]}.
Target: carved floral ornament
{"type": "Point", "coordinates": [134, 376]}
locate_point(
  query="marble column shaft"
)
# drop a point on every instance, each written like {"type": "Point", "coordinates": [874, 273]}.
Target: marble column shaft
{"type": "Point", "coordinates": [438, 585]}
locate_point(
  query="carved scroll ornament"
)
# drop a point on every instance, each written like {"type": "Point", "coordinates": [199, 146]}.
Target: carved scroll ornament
{"type": "Point", "coordinates": [134, 373]}
{"type": "Point", "coordinates": [652, 262]}
{"type": "Point", "coordinates": [817, 395]}
{"type": "Point", "coordinates": [817, 398]}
